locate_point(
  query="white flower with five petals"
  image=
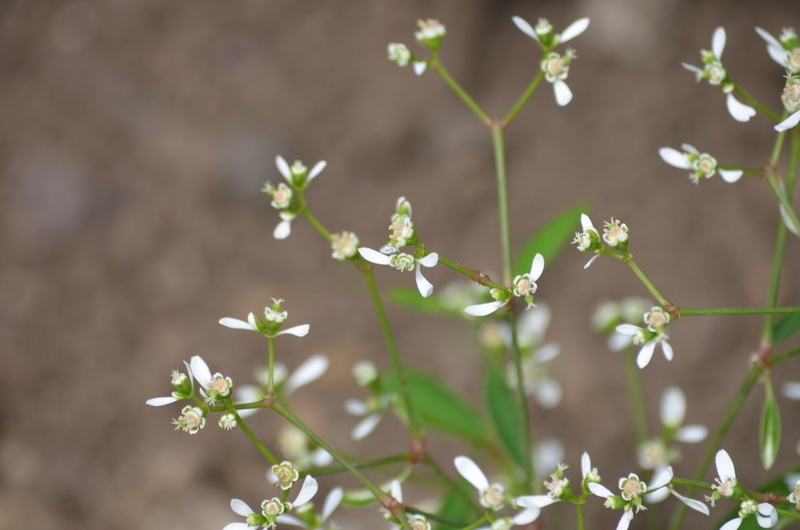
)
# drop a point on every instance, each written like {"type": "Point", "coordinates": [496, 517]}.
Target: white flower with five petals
{"type": "Point", "coordinates": [699, 164]}
{"type": "Point", "coordinates": [402, 262]}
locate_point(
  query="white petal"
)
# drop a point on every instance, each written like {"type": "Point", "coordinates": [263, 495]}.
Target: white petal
{"type": "Point", "coordinates": [331, 502]}
{"type": "Point", "coordinates": [247, 394]}
{"type": "Point", "coordinates": [547, 352]}
{"type": "Point", "coordinates": [526, 516]}
{"type": "Point", "coordinates": [625, 520]}
{"type": "Point", "coordinates": [535, 501]}
{"type": "Point", "coordinates": [396, 490]}
{"type": "Point", "coordinates": [673, 407]}
{"type": "Point", "coordinates": [767, 516]}
{"type": "Point", "coordinates": [246, 413]}
{"type": "Point", "coordinates": [525, 28]}
{"type": "Point", "coordinates": [725, 468]}
{"type": "Point", "coordinates": [320, 457]}
{"type": "Point", "coordinates": [591, 260]}
{"type": "Point", "coordinates": [774, 48]}
{"type": "Point", "coordinates": [667, 349]}
{"type": "Point", "coordinates": [290, 520]}
{"type": "Point", "coordinates": [657, 496]}
{"type": "Point", "coordinates": [283, 230]}
{"type": "Point", "coordinates": [627, 329]}
{"type": "Point", "coordinates": [789, 122]}
{"type": "Point", "coordinates": [697, 71]}
{"type": "Point", "coordinates": [240, 507]}
{"type": "Point", "coordinates": [738, 110]}
{"type": "Point", "coordinates": [600, 490]}
{"type": "Point", "coordinates": [537, 266]}
{"type": "Point", "coordinates": [574, 29]}
{"type": "Point", "coordinates": [791, 390]}
{"type": "Point", "coordinates": [481, 310]}
{"type": "Point", "coordinates": [546, 455]}
{"type": "Point", "coordinates": [733, 524]}
{"type": "Point", "coordinates": [531, 326]}
{"type": "Point", "coordinates": [297, 331]}
{"type": "Point", "coordinates": [307, 492]}
{"type": "Point", "coordinates": [562, 92]}
{"type": "Point", "coordinates": [425, 287]}
{"type": "Point", "coordinates": [586, 464]}
{"type": "Point", "coordinates": [430, 260]}
{"type": "Point", "coordinates": [674, 158]}
{"type": "Point", "coordinates": [618, 341]}
{"type": "Point", "coordinates": [586, 223]}
{"type": "Point", "coordinates": [689, 148]}
{"type": "Point", "coordinates": [718, 42]}
{"type": "Point", "coordinates": [419, 67]}
{"type": "Point", "coordinates": [373, 256]}
{"type": "Point", "coordinates": [283, 167]}
{"type": "Point", "coordinates": [470, 471]}
{"type": "Point", "coordinates": [356, 407]}
{"type": "Point", "coordinates": [692, 503]}
{"type": "Point", "coordinates": [663, 478]}
{"type": "Point", "coordinates": [160, 401]}
{"type": "Point", "coordinates": [310, 370]}
{"type": "Point", "coordinates": [730, 175]}
{"type": "Point", "coordinates": [237, 526]}
{"type": "Point", "coordinates": [316, 170]}
{"type": "Point", "coordinates": [771, 41]}
{"type": "Point", "coordinates": [235, 323]}
{"type": "Point", "coordinates": [790, 224]}
{"type": "Point", "coordinates": [365, 426]}
{"type": "Point", "coordinates": [548, 393]}
{"type": "Point", "coordinates": [691, 434]}
{"type": "Point", "coordinates": [200, 370]}
{"type": "Point", "coordinates": [645, 354]}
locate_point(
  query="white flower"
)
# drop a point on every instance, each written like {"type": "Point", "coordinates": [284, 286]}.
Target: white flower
{"type": "Point", "coordinates": [271, 509]}
{"type": "Point", "coordinates": [332, 501]}
{"type": "Point", "coordinates": [431, 32]}
{"type": "Point", "coordinates": [344, 245]}
{"type": "Point", "coordinates": [524, 285]}
{"type": "Point", "coordinates": [765, 513]}
{"type": "Point", "coordinates": [298, 175]}
{"type": "Point", "coordinates": [672, 412]}
{"type": "Point", "coordinates": [615, 234]}
{"type": "Point", "coordinates": [543, 32]}
{"type": "Point", "coordinates": [399, 53]}
{"type": "Point", "coordinates": [588, 239]}
{"type": "Point", "coordinates": [785, 51]}
{"type": "Point", "coordinates": [273, 318]}
{"type": "Point", "coordinates": [715, 73]}
{"type": "Point", "coordinates": [372, 411]}
{"type": "Point", "coordinates": [211, 386]}
{"type": "Point", "coordinates": [632, 491]}
{"type": "Point", "coordinates": [791, 102]}
{"type": "Point", "coordinates": [556, 69]}
{"type": "Point", "coordinates": [481, 310]}
{"type": "Point", "coordinates": [491, 496]}
{"type": "Point", "coordinates": [191, 420]}
{"type": "Point", "coordinates": [657, 494]}
{"type": "Point", "coordinates": [656, 321]}
{"type": "Point", "coordinates": [404, 262]}
{"type": "Point", "coordinates": [284, 228]}
{"type": "Point", "coordinates": [184, 385]}
{"type": "Point", "coordinates": [699, 164]}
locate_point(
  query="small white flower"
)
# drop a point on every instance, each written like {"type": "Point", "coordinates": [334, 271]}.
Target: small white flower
{"type": "Point", "coordinates": [372, 411]}
{"type": "Point", "coordinates": [726, 484]}
{"type": "Point", "coordinates": [404, 262]}
{"type": "Point", "coordinates": [556, 69]}
{"type": "Point", "coordinates": [785, 51]}
{"type": "Point", "coordinates": [672, 411]}
{"type": "Point", "coordinates": [699, 164]}
{"type": "Point", "coordinates": [273, 317]}
{"type": "Point", "coordinates": [491, 496]}
{"type": "Point", "coordinates": [298, 175]}
{"type": "Point", "coordinates": [632, 492]}
{"type": "Point", "coordinates": [344, 245]}
{"type": "Point", "coordinates": [431, 32]}
{"type": "Point", "coordinates": [656, 320]}
{"type": "Point", "coordinates": [501, 298]}
{"type": "Point", "coordinates": [588, 239]}
{"type": "Point", "coordinates": [399, 53]}
{"type": "Point", "coordinates": [791, 102]}
{"type": "Point", "coordinates": [191, 420]}
{"type": "Point", "coordinates": [615, 234]}
{"type": "Point", "coordinates": [543, 32]}
{"type": "Point", "coordinates": [284, 228]}
{"type": "Point", "coordinates": [211, 386]}
{"type": "Point", "coordinates": [184, 385]}
{"type": "Point", "coordinates": [715, 73]}
{"type": "Point", "coordinates": [765, 513]}
{"type": "Point", "coordinates": [524, 285]}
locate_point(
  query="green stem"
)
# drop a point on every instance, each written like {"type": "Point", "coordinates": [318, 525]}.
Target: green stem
{"type": "Point", "coordinates": [776, 184]}
{"type": "Point", "coordinates": [460, 92]}
{"type": "Point", "coordinates": [694, 484]}
{"type": "Point", "coordinates": [579, 513]}
{"type": "Point", "coordinates": [523, 99]}
{"type": "Point", "coordinates": [379, 462]}
{"type": "Point", "coordinates": [316, 224]}
{"type": "Point", "coordinates": [716, 441]}
{"type": "Point", "coordinates": [527, 437]}
{"type": "Point", "coordinates": [753, 101]}
{"type": "Point", "coordinates": [628, 258]}
{"type": "Point", "coordinates": [788, 513]}
{"type": "Point", "coordinates": [498, 144]}
{"type": "Point", "coordinates": [391, 346]}
{"type": "Point", "coordinates": [271, 366]}
{"type": "Point", "coordinates": [253, 438]}
{"type": "Point", "coordinates": [474, 275]}
{"type": "Point", "coordinates": [633, 387]}
{"type": "Point", "coordinates": [694, 311]}
{"type": "Point", "coordinates": [775, 359]}
{"type": "Point", "coordinates": [379, 494]}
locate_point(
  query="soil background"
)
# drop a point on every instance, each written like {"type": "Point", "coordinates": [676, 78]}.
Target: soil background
{"type": "Point", "coordinates": [134, 140]}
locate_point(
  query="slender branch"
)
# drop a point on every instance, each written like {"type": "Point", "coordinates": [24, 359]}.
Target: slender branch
{"type": "Point", "coordinates": [753, 101]}
{"type": "Point", "coordinates": [474, 275]}
{"type": "Point", "coordinates": [498, 145]}
{"type": "Point", "coordinates": [253, 438]}
{"type": "Point", "coordinates": [460, 92]}
{"type": "Point", "coordinates": [378, 462]}
{"type": "Point", "coordinates": [695, 311]}
{"type": "Point", "coordinates": [523, 99]}
{"type": "Point", "coordinates": [628, 258]}
{"type": "Point", "coordinates": [527, 437]}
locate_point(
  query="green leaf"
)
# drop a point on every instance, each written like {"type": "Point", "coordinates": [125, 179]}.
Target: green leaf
{"type": "Point", "coordinates": [504, 412]}
{"type": "Point", "coordinates": [785, 328]}
{"type": "Point", "coordinates": [457, 508]}
{"type": "Point", "coordinates": [770, 436]}
{"type": "Point", "coordinates": [550, 239]}
{"type": "Point", "coordinates": [438, 406]}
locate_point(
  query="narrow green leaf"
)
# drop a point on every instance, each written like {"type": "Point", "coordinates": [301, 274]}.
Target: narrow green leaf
{"type": "Point", "coordinates": [551, 238]}
{"type": "Point", "coordinates": [770, 436]}
{"type": "Point", "coordinates": [439, 407]}
{"type": "Point", "coordinates": [504, 412]}
{"type": "Point", "coordinates": [785, 328]}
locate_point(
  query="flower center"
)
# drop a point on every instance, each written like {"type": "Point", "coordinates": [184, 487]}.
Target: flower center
{"type": "Point", "coordinates": [493, 497]}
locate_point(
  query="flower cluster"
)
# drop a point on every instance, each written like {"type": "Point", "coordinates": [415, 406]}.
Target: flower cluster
{"type": "Point", "coordinates": [654, 333]}
{"type": "Point", "coordinates": [700, 165]}
{"type": "Point", "coordinates": [287, 197]}
{"type": "Point", "coordinates": [523, 286]}
{"type": "Point", "coordinates": [270, 326]}
{"type": "Point", "coordinates": [274, 510]}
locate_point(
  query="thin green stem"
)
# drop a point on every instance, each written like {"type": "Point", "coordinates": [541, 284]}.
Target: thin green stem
{"type": "Point", "coordinates": [378, 462]}
{"type": "Point", "coordinates": [460, 92]}
{"type": "Point", "coordinates": [694, 484]}
{"type": "Point", "coordinates": [253, 438]}
{"type": "Point", "coordinates": [579, 513]}
{"type": "Point", "coordinates": [391, 346]}
{"type": "Point", "coordinates": [753, 101]}
{"type": "Point", "coordinates": [379, 494]}
{"type": "Point", "coordinates": [628, 258]}
{"type": "Point", "coordinates": [527, 437]}
{"type": "Point", "coordinates": [498, 144]}
{"type": "Point", "coordinates": [271, 366]}
{"type": "Point", "coordinates": [788, 513]}
{"type": "Point", "coordinates": [523, 99]}
{"type": "Point", "coordinates": [716, 440]}
{"type": "Point", "coordinates": [633, 387]}
{"type": "Point", "coordinates": [775, 359]}
{"type": "Point", "coordinates": [474, 275]}
{"type": "Point", "coordinates": [696, 311]}
{"type": "Point", "coordinates": [316, 224]}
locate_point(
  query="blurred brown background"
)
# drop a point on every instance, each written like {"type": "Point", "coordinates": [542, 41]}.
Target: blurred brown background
{"type": "Point", "coordinates": [134, 139]}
